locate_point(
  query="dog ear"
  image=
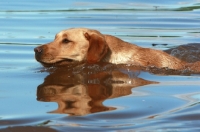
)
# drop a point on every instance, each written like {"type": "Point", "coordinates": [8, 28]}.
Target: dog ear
{"type": "Point", "coordinates": [97, 47]}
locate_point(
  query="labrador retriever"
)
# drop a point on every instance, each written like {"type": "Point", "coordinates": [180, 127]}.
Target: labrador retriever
{"type": "Point", "coordinates": [77, 45]}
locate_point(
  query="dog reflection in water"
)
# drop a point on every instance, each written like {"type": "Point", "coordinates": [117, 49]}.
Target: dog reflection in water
{"type": "Point", "coordinates": [84, 92]}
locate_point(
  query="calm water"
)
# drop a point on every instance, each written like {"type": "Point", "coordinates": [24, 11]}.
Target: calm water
{"type": "Point", "coordinates": [34, 98]}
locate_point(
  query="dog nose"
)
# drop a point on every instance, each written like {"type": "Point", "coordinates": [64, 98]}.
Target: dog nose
{"type": "Point", "coordinates": [38, 50]}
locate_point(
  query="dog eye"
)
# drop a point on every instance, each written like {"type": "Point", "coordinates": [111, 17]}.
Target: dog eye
{"type": "Point", "coordinates": [65, 41]}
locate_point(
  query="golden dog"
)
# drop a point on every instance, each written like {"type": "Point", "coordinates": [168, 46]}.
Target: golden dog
{"type": "Point", "coordinates": [87, 45]}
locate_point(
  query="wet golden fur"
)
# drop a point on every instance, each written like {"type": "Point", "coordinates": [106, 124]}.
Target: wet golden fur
{"type": "Point", "coordinates": [87, 45]}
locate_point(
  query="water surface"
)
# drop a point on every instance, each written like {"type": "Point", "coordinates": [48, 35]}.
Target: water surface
{"type": "Point", "coordinates": [96, 98]}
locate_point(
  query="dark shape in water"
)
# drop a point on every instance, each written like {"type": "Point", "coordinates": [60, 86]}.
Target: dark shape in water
{"type": "Point", "coordinates": [188, 53]}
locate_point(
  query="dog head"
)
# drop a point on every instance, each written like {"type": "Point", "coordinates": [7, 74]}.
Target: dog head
{"type": "Point", "coordinates": [73, 45]}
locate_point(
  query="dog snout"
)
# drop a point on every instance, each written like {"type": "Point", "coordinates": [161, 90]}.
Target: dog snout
{"type": "Point", "coordinates": [38, 50]}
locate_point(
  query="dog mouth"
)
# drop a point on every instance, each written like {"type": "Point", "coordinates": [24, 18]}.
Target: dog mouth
{"type": "Point", "coordinates": [57, 63]}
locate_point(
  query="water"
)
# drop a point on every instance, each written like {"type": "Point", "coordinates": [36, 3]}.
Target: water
{"type": "Point", "coordinates": [74, 100]}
